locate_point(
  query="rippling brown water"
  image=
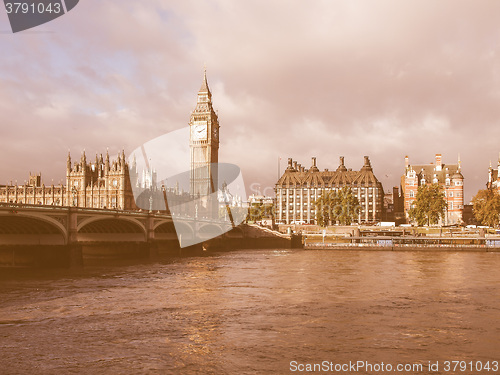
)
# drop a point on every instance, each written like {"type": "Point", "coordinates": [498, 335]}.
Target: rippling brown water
{"type": "Point", "coordinates": [253, 312]}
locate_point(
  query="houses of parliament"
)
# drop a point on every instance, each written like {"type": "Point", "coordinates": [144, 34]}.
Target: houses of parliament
{"type": "Point", "coordinates": [107, 183]}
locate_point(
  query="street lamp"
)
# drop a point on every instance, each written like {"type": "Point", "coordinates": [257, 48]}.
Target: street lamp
{"type": "Point", "coordinates": [447, 201]}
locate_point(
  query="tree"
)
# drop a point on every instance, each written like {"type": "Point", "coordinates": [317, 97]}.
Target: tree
{"type": "Point", "coordinates": [429, 206]}
{"type": "Point", "coordinates": [324, 208]}
{"type": "Point", "coordinates": [259, 211]}
{"type": "Point", "coordinates": [349, 208]}
{"type": "Point", "coordinates": [342, 206]}
{"type": "Point", "coordinates": [486, 206]}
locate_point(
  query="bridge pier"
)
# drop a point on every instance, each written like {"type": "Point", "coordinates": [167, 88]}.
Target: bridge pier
{"type": "Point", "coordinates": [75, 252]}
{"type": "Point", "coordinates": [153, 250]}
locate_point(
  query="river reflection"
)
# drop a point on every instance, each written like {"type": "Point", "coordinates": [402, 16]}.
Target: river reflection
{"type": "Point", "coordinates": [252, 311]}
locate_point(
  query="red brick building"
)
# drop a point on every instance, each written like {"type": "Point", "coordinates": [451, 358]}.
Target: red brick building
{"type": "Point", "coordinates": [448, 176]}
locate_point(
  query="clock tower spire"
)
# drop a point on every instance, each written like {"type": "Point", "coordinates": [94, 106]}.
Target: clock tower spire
{"type": "Point", "coordinates": [204, 143]}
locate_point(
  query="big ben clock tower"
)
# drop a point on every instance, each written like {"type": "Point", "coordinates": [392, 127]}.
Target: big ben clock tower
{"type": "Point", "coordinates": [204, 144]}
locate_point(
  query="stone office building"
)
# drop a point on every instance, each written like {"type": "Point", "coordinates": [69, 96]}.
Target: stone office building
{"type": "Point", "coordinates": [298, 189]}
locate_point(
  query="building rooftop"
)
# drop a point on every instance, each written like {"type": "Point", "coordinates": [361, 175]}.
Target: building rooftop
{"type": "Point", "coordinates": [295, 174]}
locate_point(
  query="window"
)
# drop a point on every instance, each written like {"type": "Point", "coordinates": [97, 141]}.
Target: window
{"type": "Point", "coordinates": [450, 194]}
{"type": "Point", "coordinates": [451, 205]}
{"type": "Point", "coordinates": [412, 194]}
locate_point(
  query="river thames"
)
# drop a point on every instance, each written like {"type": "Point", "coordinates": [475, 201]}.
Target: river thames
{"type": "Point", "coordinates": [254, 311]}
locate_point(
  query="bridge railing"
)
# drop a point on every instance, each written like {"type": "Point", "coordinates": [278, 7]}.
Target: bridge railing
{"type": "Point", "coordinates": [53, 208]}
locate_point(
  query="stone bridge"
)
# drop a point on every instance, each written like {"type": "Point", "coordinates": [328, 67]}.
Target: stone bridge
{"type": "Point", "coordinates": [32, 228]}
{"type": "Point", "coordinates": [48, 225]}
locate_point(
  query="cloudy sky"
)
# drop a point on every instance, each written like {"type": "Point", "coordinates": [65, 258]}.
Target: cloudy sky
{"type": "Point", "coordinates": [289, 78]}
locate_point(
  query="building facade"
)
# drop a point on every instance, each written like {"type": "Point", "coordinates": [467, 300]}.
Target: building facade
{"type": "Point", "coordinates": [298, 189]}
{"type": "Point", "coordinates": [394, 206]}
{"type": "Point", "coordinates": [494, 177]}
{"type": "Point", "coordinates": [99, 184]}
{"type": "Point", "coordinates": [448, 176]}
{"type": "Point", "coordinates": [34, 192]}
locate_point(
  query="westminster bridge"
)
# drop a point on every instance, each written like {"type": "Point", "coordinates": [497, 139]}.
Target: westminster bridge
{"type": "Point", "coordinates": [64, 236]}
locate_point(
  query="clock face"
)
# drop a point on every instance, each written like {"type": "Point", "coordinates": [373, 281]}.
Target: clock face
{"type": "Point", "coordinates": [199, 131]}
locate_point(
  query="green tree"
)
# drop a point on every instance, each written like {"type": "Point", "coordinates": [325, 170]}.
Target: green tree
{"type": "Point", "coordinates": [342, 206]}
{"type": "Point", "coordinates": [486, 206]}
{"type": "Point", "coordinates": [259, 211]}
{"type": "Point", "coordinates": [429, 206]}
{"type": "Point", "coordinates": [349, 208]}
{"type": "Point", "coordinates": [324, 208]}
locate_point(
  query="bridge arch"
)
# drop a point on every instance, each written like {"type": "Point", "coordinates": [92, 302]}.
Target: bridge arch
{"type": "Point", "coordinates": [91, 222]}
{"type": "Point", "coordinates": [164, 226]}
{"type": "Point", "coordinates": [31, 228]}
{"type": "Point", "coordinates": [111, 228]}
{"type": "Point", "coordinates": [165, 230]}
{"type": "Point", "coordinates": [183, 229]}
{"type": "Point", "coordinates": [210, 230]}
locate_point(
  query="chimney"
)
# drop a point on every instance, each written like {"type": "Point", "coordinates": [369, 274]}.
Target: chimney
{"type": "Point", "coordinates": [438, 162]}
{"type": "Point", "coordinates": [367, 161]}
{"type": "Point", "coordinates": [314, 161]}
{"type": "Point", "coordinates": [295, 165]}
{"type": "Point", "coordinates": [407, 163]}
{"type": "Point", "coordinates": [341, 161]}
{"type": "Point", "coordinates": [290, 162]}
